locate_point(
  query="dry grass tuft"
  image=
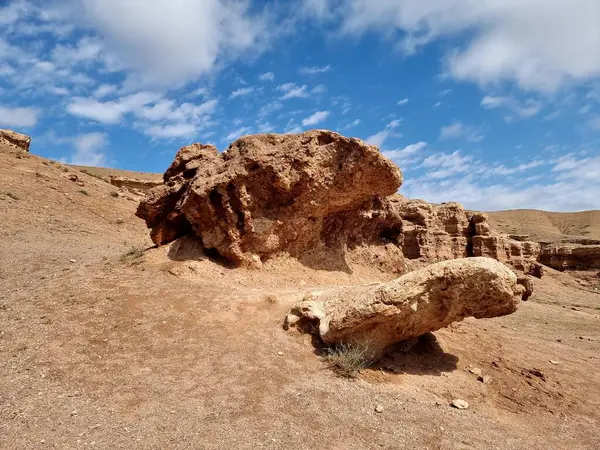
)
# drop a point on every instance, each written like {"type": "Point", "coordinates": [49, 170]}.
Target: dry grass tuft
{"type": "Point", "coordinates": [133, 253]}
{"type": "Point", "coordinates": [347, 360]}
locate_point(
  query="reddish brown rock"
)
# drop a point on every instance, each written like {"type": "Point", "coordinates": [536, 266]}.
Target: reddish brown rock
{"type": "Point", "coordinates": [15, 139]}
{"type": "Point", "coordinates": [266, 193]}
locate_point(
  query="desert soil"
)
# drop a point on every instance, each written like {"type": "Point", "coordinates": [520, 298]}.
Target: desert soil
{"type": "Point", "coordinates": [107, 343]}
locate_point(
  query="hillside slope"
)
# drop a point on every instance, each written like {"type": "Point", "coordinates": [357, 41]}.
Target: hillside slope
{"type": "Point", "coordinates": [548, 226]}
{"type": "Point", "coordinates": [107, 343]}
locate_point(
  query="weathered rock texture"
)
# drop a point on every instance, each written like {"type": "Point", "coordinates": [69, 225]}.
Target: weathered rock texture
{"type": "Point", "coordinates": [570, 256]}
{"type": "Point", "coordinates": [317, 196]}
{"type": "Point", "coordinates": [381, 314]}
{"type": "Point", "coordinates": [15, 139]}
{"type": "Point", "coordinates": [267, 193]}
{"type": "Point", "coordinates": [133, 184]}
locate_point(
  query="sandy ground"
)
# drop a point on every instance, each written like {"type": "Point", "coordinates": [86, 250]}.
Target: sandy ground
{"type": "Point", "coordinates": [105, 346]}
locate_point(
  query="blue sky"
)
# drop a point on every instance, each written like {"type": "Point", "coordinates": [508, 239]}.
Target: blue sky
{"type": "Point", "coordinates": [495, 103]}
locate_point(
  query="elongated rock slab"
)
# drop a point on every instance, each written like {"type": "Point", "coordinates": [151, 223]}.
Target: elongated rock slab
{"type": "Point", "coordinates": [379, 315]}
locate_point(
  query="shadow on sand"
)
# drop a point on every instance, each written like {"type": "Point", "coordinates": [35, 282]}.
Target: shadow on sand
{"type": "Point", "coordinates": [420, 356]}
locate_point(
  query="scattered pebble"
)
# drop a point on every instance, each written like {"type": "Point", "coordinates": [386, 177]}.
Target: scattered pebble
{"type": "Point", "coordinates": [379, 409]}
{"type": "Point", "coordinates": [459, 404]}
{"type": "Point", "coordinates": [73, 260]}
{"type": "Point", "coordinates": [280, 353]}
{"type": "Point", "coordinates": [475, 371]}
{"type": "Point", "coordinates": [554, 362]}
{"type": "Point", "coordinates": [485, 379]}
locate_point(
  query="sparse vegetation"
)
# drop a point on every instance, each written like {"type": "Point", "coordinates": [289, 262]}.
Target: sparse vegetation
{"type": "Point", "coordinates": [133, 253]}
{"type": "Point", "coordinates": [84, 192]}
{"type": "Point", "coordinates": [347, 360]}
{"type": "Point", "coordinates": [271, 299]}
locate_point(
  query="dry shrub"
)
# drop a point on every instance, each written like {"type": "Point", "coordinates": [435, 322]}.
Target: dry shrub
{"type": "Point", "coordinates": [348, 359]}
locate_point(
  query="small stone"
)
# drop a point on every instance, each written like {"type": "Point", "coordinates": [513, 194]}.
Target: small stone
{"type": "Point", "coordinates": [280, 353]}
{"type": "Point", "coordinates": [73, 260]}
{"type": "Point", "coordinates": [379, 409]}
{"type": "Point", "coordinates": [485, 379]}
{"type": "Point", "coordinates": [74, 413]}
{"type": "Point", "coordinates": [459, 404]}
{"type": "Point", "coordinates": [475, 371]}
{"type": "Point", "coordinates": [554, 362]}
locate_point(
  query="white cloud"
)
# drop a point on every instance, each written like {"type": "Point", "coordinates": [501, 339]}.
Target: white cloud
{"type": "Point", "coordinates": [444, 165]}
{"type": "Point", "coordinates": [394, 123]}
{"type": "Point", "coordinates": [404, 101]}
{"type": "Point", "coordinates": [267, 76]}
{"type": "Point", "coordinates": [141, 35]}
{"type": "Point", "coordinates": [18, 117]}
{"type": "Point", "coordinates": [269, 108]}
{"type": "Point", "coordinates": [241, 92]}
{"type": "Point", "coordinates": [238, 133]}
{"type": "Point", "coordinates": [572, 185]}
{"type": "Point", "coordinates": [378, 139]}
{"type": "Point", "coordinates": [105, 89]}
{"type": "Point", "coordinates": [526, 110]}
{"type": "Point", "coordinates": [314, 70]}
{"type": "Point", "coordinates": [508, 40]}
{"type": "Point", "coordinates": [458, 130]}
{"type": "Point", "coordinates": [352, 124]}
{"type": "Point", "coordinates": [86, 49]}
{"type": "Point", "coordinates": [171, 131]}
{"type": "Point", "coordinates": [88, 149]}
{"type": "Point", "coordinates": [110, 112]}
{"type": "Point", "coordinates": [438, 104]}
{"type": "Point", "coordinates": [315, 118]}
{"type": "Point", "coordinates": [406, 155]}
{"type": "Point", "coordinates": [292, 90]}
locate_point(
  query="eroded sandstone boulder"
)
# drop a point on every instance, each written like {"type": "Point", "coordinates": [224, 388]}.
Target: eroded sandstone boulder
{"type": "Point", "coordinates": [267, 193]}
{"type": "Point", "coordinates": [15, 139]}
{"type": "Point", "coordinates": [378, 315]}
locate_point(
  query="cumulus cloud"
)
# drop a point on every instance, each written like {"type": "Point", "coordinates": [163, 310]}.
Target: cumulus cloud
{"type": "Point", "coordinates": [18, 117]}
{"type": "Point", "coordinates": [110, 112]}
{"type": "Point", "coordinates": [141, 35]}
{"type": "Point", "coordinates": [315, 118]}
{"type": "Point", "coordinates": [88, 149]}
{"type": "Point", "coordinates": [508, 40]}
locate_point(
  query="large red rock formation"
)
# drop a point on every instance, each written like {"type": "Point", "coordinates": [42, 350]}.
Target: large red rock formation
{"type": "Point", "coordinates": [266, 193]}
{"type": "Point", "coordinates": [317, 196]}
